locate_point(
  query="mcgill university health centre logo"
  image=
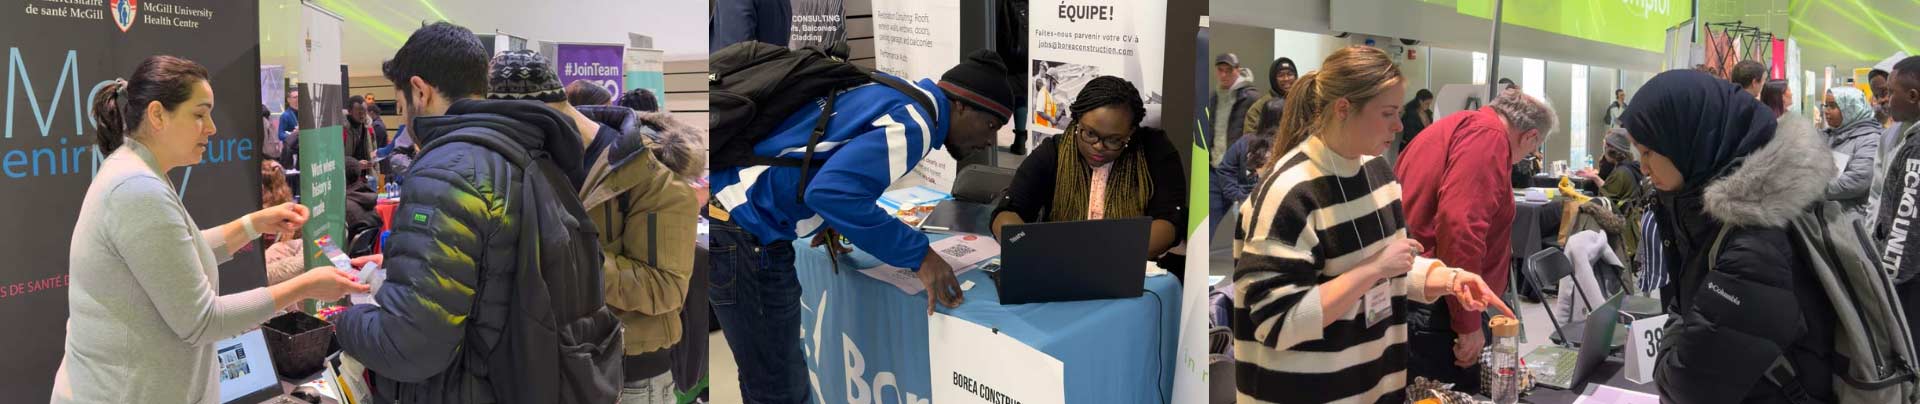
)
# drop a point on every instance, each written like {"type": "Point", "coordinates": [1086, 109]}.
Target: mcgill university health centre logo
{"type": "Point", "coordinates": [123, 12]}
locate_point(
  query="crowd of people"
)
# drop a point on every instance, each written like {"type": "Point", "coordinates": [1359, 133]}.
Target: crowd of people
{"type": "Point", "coordinates": [1704, 166]}
{"type": "Point", "coordinates": [541, 251]}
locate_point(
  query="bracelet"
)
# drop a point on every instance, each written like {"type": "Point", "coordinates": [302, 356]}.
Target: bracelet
{"type": "Point", "coordinates": [246, 223]}
{"type": "Point", "coordinates": [1453, 278]}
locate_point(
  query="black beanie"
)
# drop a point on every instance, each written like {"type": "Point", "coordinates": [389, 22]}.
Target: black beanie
{"type": "Point", "coordinates": [524, 75]}
{"type": "Point", "coordinates": [980, 81]}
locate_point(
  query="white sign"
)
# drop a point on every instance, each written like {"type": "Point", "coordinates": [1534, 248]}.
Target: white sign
{"type": "Point", "coordinates": [1072, 43]}
{"type": "Point", "coordinates": [971, 364]}
{"type": "Point", "coordinates": [1643, 349]}
{"type": "Point", "coordinates": [320, 55]}
{"type": "Point", "coordinates": [919, 39]}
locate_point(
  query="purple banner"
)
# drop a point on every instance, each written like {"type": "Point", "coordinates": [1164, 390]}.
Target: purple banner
{"type": "Point", "coordinates": [599, 64]}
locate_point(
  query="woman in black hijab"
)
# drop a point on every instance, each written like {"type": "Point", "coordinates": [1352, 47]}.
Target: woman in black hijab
{"type": "Point", "coordinates": [1718, 159]}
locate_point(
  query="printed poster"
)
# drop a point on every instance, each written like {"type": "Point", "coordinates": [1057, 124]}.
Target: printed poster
{"type": "Point", "coordinates": [646, 69]}
{"type": "Point", "coordinates": [596, 63]}
{"type": "Point", "coordinates": [919, 39]}
{"type": "Point", "coordinates": [58, 53]}
{"type": "Point", "coordinates": [1073, 43]}
{"type": "Point", "coordinates": [818, 22]}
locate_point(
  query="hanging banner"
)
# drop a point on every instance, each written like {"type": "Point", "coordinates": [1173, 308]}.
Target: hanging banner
{"type": "Point", "coordinates": [599, 64]}
{"type": "Point", "coordinates": [1073, 43]}
{"type": "Point", "coordinates": [58, 55]}
{"type": "Point", "coordinates": [916, 39]}
{"type": "Point", "coordinates": [817, 22]}
{"type": "Point", "coordinates": [646, 68]}
{"type": "Point", "coordinates": [322, 186]}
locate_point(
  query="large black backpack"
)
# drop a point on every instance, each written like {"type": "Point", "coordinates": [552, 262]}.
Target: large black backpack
{"type": "Point", "coordinates": [755, 86]}
{"type": "Point", "coordinates": [559, 343]}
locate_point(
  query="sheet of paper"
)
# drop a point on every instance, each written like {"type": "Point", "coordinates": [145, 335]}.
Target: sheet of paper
{"type": "Point", "coordinates": [896, 276]}
{"type": "Point", "coordinates": [963, 252]}
{"type": "Point", "coordinates": [972, 364]}
{"type": "Point", "coordinates": [966, 250]}
{"type": "Point", "coordinates": [1604, 394]}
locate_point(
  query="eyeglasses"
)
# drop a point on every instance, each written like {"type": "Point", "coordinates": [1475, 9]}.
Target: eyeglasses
{"type": "Point", "coordinates": [1115, 143]}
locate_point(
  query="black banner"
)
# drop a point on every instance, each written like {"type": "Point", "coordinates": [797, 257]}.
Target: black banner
{"type": "Point", "coordinates": [58, 52]}
{"type": "Point", "coordinates": [817, 24]}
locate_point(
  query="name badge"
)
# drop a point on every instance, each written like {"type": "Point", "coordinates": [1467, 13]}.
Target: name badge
{"type": "Point", "coordinates": [1379, 303]}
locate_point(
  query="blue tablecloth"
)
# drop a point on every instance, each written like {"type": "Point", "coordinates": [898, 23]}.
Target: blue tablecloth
{"type": "Point", "coordinates": [866, 341]}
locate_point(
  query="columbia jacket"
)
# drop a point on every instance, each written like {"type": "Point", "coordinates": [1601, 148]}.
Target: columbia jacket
{"type": "Point", "coordinates": [638, 195]}
{"type": "Point", "coordinates": [875, 136]}
{"type": "Point", "coordinates": [454, 227]}
{"type": "Point", "coordinates": [1758, 302]}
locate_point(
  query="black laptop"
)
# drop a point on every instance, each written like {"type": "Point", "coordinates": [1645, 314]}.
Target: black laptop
{"type": "Point", "coordinates": [1566, 369]}
{"type": "Point", "coordinates": [1067, 261]}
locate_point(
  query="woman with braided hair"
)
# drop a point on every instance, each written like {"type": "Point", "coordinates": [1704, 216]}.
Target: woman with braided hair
{"type": "Point", "coordinates": [1105, 166]}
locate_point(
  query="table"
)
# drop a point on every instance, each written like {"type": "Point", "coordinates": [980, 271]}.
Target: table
{"type": "Point", "coordinates": [860, 332]}
{"type": "Point", "coordinates": [1610, 373]}
{"type": "Point", "coordinates": [1553, 181]}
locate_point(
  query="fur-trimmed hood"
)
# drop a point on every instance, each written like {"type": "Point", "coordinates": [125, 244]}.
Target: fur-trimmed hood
{"type": "Point", "coordinates": [671, 142]}
{"type": "Point", "coordinates": [1777, 181]}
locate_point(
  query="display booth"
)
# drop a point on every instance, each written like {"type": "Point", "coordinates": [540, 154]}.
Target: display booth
{"type": "Point", "coordinates": [868, 340]}
{"type": "Point", "coordinates": [58, 53]}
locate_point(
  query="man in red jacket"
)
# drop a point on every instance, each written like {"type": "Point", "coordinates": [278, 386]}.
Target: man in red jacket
{"type": "Point", "coordinates": [1453, 182]}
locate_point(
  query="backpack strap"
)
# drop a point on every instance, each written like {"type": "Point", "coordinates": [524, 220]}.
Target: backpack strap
{"type": "Point", "coordinates": [488, 138]}
{"type": "Point", "coordinates": [495, 141]}
{"type": "Point", "coordinates": [1781, 373]}
{"type": "Point", "coordinates": [806, 161]}
{"type": "Point", "coordinates": [820, 127]}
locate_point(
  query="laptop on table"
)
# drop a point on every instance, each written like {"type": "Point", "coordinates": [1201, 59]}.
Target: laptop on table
{"type": "Point", "coordinates": [246, 371]}
{"type": "Point", "coordinates": [1558, 367]}
{"type": "Point", "coordinates": [1068, 261]}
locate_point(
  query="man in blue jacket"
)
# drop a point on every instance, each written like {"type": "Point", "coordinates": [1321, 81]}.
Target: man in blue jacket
{"type": "Point", "coordinates": [875, 136]}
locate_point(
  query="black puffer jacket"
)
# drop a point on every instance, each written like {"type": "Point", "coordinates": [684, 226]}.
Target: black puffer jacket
{"type": "Point", "coordinates": [1758, 302]}
{"type": "Point", "coordinates": [454, 227]}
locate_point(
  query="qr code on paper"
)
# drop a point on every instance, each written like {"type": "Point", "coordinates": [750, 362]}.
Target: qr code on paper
{"type": "Point", "coordinates": [957, 250]}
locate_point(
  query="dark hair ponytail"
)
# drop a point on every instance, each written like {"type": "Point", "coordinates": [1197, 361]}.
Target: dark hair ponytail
{"type": "Point", "coordinates": [120, 106]}
{"type": "Point", "coordinates": [109, 123]}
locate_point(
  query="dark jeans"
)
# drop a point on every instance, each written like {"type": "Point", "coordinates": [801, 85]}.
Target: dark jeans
{"type": "Point", "coordinates": [756, 295]}
{"type": "Point", "coordinates": [1430, 339]}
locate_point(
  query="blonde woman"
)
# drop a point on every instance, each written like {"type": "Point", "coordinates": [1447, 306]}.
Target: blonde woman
{"type": "Point", "coordinates": [1324, 267]}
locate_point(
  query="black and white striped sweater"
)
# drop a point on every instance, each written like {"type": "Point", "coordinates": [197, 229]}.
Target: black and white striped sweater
{"type": "Point", "coordinates": [1315, 216]}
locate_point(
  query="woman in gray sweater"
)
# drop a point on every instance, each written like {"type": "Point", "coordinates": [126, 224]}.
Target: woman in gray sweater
{"type": "Point", "coordinates": [143, 308]}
